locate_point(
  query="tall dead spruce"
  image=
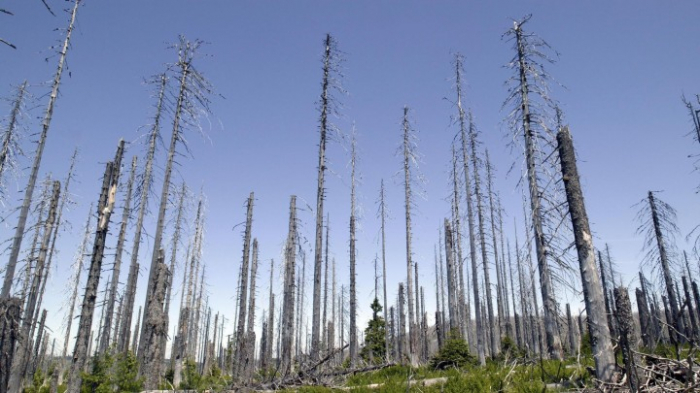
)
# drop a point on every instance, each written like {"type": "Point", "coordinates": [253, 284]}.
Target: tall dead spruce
{"type": "Point", "coordinates": [105, 207]}
{"type": "Point", "coordinates": [528, 97]}
{"type": "Point", "coordinates": [191, 99]}
{"type": "Point", "coordinates": [353, 290]}
{"type": "Point", "coordinates": [463, 129]}
{"type": "Point", "coordinates": [327, 108]}
{"type": "Point", "coordinates": [289, 291]}
{"type": "Point", "coordinates": [243, 294]}
{"type": "Point", "coordinates": [411, 175]}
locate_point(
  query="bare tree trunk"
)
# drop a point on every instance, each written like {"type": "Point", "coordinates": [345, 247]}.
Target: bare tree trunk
{"type": "Point", "coordinates": [10, 334]}
{"type": "Point", "coordinates": [499, 282]}
{"type": "Point", "coordinates": [325, 110]}
{"type": "Point", "coordinates": [240, 330]}
{"type": "Point", "coordinates": [289, 291]}
{"type": "Point", "coordinates": [644, 319]}
{"type": "Point", "coordinates": [111, 297]}
{"type": "Point", "coordinates": [470, 211]}
{"type": "Point", "coordinates": [591, 283]}
{"type": "Point", "coordinates": [324, 339]}
{"type": "Point", "coordinates": [691, 313]}
{"type": "Point", "coordinates": [29, 190]}
{"type": "Point", "coordinates": [463, 319]}
{"type": "Point", "coordinates": [353, 293]}
{"type": "Point", "coordinates": [104, 211]}
{"type": "Point", "coordinates": [451, 298]}
{"type": "Point", "coordinates": [550, 320]}
{"type": "Point", "coordinates": [493, 336]}
{"type": "Point", "coordinates": [408, 154]}
{"type": "Point", "coordinates": [185, 91]}
{"type": "Point", "coordinates": [270, 320]}
{"type": "Point", "coordinates": [665, 267]}
{"type": "Point", "coordinates": [132, 279]}
{"type": "Point", "coordinates": [627, 339]}
{"type": "Point", "coordinates": [155, 328]}
{"type": "Point", "coordinates": [23, 347]}
{"type": "Point", "coordinates": [248, 361]}
{"type": "Point", "coordinates": [10, 136]}
{"type": "Point", "coordinates": [401, 336]}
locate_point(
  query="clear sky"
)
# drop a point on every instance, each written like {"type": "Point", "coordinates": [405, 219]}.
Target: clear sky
{"type": "Point", "coordinates": [624, 67]}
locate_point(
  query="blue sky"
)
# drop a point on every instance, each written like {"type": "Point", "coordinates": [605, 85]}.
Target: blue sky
{"type": "Point", "coordinates": [624, 67]}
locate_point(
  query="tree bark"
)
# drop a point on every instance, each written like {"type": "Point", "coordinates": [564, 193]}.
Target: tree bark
{"type": "Point", "coordinates": [104, 211]}
{"type": "Point", "coordinates": [289, 291]}
{"type": "Point", "coordinates": [591, 283]}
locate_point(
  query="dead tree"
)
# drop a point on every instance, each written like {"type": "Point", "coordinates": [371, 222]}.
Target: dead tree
{"type": "Point", "coordinates": [410, 162]}
{"type": "Point", "coordinates": [499, 280]}
{"type": "Point", "coordinates": [76, 281]}
{"type": "Point", "coordinates": [132, 278]}
{"type": "Point", "coordinates": [627, 339]}
{"type": "Point", "coordinates": [240, 329]}
{"type": "Point", "coordinates": [155, 328]}
{"type": "Point", "coordinates": [324, 340]}
{"type": "Point", "coordinates": [658, 224]}
{"type": "Point", "coordinates": [463, 128]}
{"type": "Point", "coordinates": [249, 355]}
{"type": "Point", "coordinates": [382, 214]}
{"type": "Point", "coordinates": [527, 90]}
{"type": "Point", "coordinates": [191, 100]}
{"type": "Point", "coordinates": [476, 163]}
{"type": "Point", "coordinates": [462, 307]}
{"type": "Point", "coordinates": [327, 108]}
{"type": "Point", "coordinates": [289, 291]}
{"type": "Point", "coordinates": [104, 211]}
{"type": "Point", "coordinates": [112, 294]}
{"type": "Point", "coordinates": [591, 283]}
{"type": "Point", "coordinates": [451, 290]}
{"type": "Point", "coordinates": [10, 139]}
{"type": "Point", "coordinates": [353, 293]}
{"type": "Point", "coordinates": [29, 190]}
{"type": "Point", "coordinates": [23, 347]}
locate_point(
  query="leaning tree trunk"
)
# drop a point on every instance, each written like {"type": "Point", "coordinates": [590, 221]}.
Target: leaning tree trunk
{"type": "Point", "coordinates": [185, 57]}
{"type": "Point", "coordinates": [665, 266]}
{"type": "Point", "coordinates": [9, 136]}
{"type": "Point", "coordinates": [627, 336]}
{"type": "Point", "coordinates": [23, 346]}
{"type": "Point", "coordinates": [104, 211]}
{"type": "Point", "coordinates": [112, 295]}
{"type": "Point", "coordinates": [29, 190]}
{"type": "Point", "coordinates": [155, 328]}
{"type": "Point", "coordinates": [550, 315]}
{"type": "Point", "coordinates": [132, 278]}
{"type": "Point", "coordinates": [591, 284]}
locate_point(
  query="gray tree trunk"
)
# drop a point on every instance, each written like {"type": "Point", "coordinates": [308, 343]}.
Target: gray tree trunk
{"type": "Point", "coordinates": [112, 295]}
{"type": "Point", "coordinates": [493, 335]}
{"type": "Point", "coordinates": [550, 314]}
{"type": "Point", "coordinates": [132, 278]}
{"type": "Point", "coordinates": [23, 347]}
{"type": "Point", "coordinates": [289, 291]}
{"type": "Point", "coordinates": [249, 356]}
{"type": "Point", "coordinates": [155, 328]}
{"type": "Point", "coordinates": [382, 214]}
{"type": "Point", "coordinates": [591, 283]}
{"type": "Point", "coordinates": [500, 286]}
{"type": "Point", "coordinates": [451, 298]}
{"type": "Point", "coordinates": [104, 211]}
{"type": "Point", "coordinates": [240, 329]}
{"type": "Point", "coordinates": [408, 154]}
{"type": "Point", "coordinates": [320, 194]}
{"type": "Point", "coordinates": [665, 266]}
{"type": "Point", "coordinates": [353, 290]}
{"type": "Point", "coordinates": [7, 152]}
{"type": "Point", "coordinates": [29, 190]}
{"type": "Point", "coordinates": [627, 339]}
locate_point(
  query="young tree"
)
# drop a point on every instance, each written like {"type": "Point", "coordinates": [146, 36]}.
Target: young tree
{"type": "Point", "coordinates": [375, 334]}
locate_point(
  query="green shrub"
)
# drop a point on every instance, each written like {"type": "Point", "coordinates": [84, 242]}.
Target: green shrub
{"type": "Point", "coordinates": [454, 353]}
